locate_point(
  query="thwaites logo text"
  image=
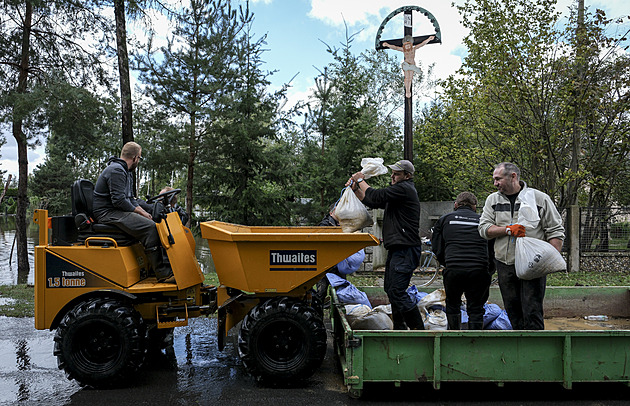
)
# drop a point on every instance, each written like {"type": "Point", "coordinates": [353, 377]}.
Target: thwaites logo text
{"type": "Point", "coordinates": [287, 260]}
{"type": "Point", "coordinates": [61, 273]}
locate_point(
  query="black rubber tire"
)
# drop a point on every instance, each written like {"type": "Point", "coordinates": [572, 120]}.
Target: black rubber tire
{"type": "Point", "coordinates": [282, 341]}
{"type": "Point", "coordinates": [100, 343]}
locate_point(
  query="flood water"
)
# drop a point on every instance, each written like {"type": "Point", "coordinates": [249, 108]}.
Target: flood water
{"type": "Point", "coordinates": [8, 253]}
{"type": "Point", "coordinates": [191, 372]}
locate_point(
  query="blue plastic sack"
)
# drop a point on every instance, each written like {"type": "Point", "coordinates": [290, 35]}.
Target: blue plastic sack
{"type": "Point", "coordinates": [464, 314]}
{"type": "Point", "coordinates": [501, 323]}
{"type": "Point", "coordinates": [491, 312]}
{"type": "Point", "coordinates": [347, 292]}
{"type": "Point", "coordinates": [495, 318]}
{"type": "Point", "coordinates": [352, 263]}
{"type": "Point", "coordinates": [414, 294]}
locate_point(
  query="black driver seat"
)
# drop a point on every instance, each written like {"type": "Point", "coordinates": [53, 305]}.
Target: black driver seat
{"type": "Point", "coordinates": [82, 192]}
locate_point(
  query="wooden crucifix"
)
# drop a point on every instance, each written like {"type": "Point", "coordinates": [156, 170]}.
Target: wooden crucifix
{"type": "Point", "coordinates": [408, 46]}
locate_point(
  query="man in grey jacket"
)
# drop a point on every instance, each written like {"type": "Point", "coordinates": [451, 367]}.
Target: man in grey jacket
{"type": "Point", "coordinates": [523, 299]}
{"type": "Point", "coordinates": [114, 203]}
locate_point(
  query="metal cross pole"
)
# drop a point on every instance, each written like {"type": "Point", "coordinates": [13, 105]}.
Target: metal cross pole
{"type": "Point", "coordinates": [408, 46]}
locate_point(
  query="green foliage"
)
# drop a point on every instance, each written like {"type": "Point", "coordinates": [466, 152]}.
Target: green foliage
{"type": "Point", "coordinates": [250, 177]}
{"type": "Point", "coordinates": [449, 159]}
{"type": "Point", "coordinates": [349, 118]}
{"type": "Point", "coordinates": [52, 185]}
{"type": "Point", "coordinates": [537, 95]}
{"type": "Point", "coordinates": [583, 278]}
{"type": "Point", "coordinates": [190, 81]}
{"type": "Point", "coordinates": [620, 230]}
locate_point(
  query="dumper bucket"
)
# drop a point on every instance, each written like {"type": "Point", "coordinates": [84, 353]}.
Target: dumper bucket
{"type": "Point", "coordinates": [277, 259]}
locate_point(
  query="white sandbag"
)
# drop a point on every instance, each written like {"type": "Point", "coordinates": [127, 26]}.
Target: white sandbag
{"type": "Point", "coordinates": [355, 311]}
{"type": "Point", "coordinates": [528, 215]}
{"type": "Point", "coordinates": [372, 167]}
{"type": "Point", "coordinates": [436, 320]}
{"type": "Point", "coordinates": [535, 258]}
{"type": "Point", "coordinates": [374, 320]}
{"type": "Point", "coordinates": [387, 309]}
{"type": "Point", "coordinates": [351, 213]}
{"type": "Point", "coordinates": [433, 299]}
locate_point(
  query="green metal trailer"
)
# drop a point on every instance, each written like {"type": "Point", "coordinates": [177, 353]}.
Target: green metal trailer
{"type": "Point", "coordinates": [597, 353]}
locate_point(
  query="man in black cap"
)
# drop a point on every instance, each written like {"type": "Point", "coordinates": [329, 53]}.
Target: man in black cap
{"type": "Point", "coordinates": [401, 237]}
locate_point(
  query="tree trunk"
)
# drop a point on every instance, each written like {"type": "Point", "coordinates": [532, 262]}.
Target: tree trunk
{"type": "Point", "coordinates": [20, 139]}
{"type": "Point", "coordinates": [123, 74]}
{"type": "Point", "coordinates": [192, 154]}
{"type": "Point", "coordinates": [123, 71]}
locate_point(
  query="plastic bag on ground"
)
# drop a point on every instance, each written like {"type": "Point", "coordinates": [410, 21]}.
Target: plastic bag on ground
{"type": "Point", "coordinates": [535, 258]}
{"type": "Point", "coordinates": [351, 213]}
{"type": "Point", "coordinates": [347, 292]}
{"type": "Point", "coordinates": [372, 167]}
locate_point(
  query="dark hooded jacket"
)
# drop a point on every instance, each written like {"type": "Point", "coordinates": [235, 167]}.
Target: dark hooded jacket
{"type": "Point", "coordinates": [114, 189]}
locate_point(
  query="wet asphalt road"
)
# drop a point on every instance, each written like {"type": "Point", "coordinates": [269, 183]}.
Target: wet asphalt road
{"type": "Point", "coordinates": [196, 373]}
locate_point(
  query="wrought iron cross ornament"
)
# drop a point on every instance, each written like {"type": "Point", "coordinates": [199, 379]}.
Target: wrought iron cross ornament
{"type": "Point", "coordinates": [408, 46]}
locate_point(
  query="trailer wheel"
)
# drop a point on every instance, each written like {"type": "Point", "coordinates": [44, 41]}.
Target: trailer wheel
{"type": "Point", "coordinates": [282, 341]}
{"type": "Point", "coordinates": [100, 342]}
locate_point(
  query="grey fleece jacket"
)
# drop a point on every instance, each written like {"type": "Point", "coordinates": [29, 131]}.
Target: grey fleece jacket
{"type": "Point", "coordinates": [498, 211]}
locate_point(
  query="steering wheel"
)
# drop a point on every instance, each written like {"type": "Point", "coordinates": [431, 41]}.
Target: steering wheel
{"type": "Point", "coordinates": [165, 197]}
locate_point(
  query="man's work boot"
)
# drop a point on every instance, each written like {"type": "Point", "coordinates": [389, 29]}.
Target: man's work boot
{"type": "Point", "coordinates": [454, 321]}
{"type": "Point", "coordinates": [399, 321]}
{"type": "Point", "coordinates": [161, 268]}
{"type": "Point", "coordinates": [168, 280]}
{"type": "Point", "coordinates": [413, 319]}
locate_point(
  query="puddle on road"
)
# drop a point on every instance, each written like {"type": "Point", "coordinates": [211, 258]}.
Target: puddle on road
{"type": "Point", "coordinates": [194, 365]}
{"type": "Point", "coordinates": [577, 323]}
{"type": "Point", "coordinates": [28, 370]}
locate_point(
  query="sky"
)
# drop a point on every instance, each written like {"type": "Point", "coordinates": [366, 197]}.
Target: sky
{"type": "Point", "coordinates": [299, 32]}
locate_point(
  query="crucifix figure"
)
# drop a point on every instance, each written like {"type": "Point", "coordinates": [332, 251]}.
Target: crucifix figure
{"type": "Point", "coordinates": [409, 62]}
{"type": "Point", "coordinates": [408, 46]}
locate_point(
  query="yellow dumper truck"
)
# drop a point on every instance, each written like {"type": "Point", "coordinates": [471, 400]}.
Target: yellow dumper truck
{"type": "Point", "coordinates": [93, 285]}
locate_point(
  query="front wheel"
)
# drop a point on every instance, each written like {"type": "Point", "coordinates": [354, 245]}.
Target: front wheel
{"type": "Point", "coordinates": [282, 341]}
{"type": "Point", "coordinates": [100, 342]}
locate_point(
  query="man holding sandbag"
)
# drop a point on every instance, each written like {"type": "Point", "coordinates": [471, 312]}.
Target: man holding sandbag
{"type": "Point", "coordinates": [523, 299]}
{"type": "Point", "coordinates": [401, 237]}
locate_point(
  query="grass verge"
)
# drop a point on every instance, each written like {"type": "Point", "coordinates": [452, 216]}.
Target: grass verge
{"type": "Point", "coordinates": [17, 301]}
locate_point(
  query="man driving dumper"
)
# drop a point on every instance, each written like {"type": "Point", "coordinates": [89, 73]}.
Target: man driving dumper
{"type": "Point", "coordinates": [114, 203]}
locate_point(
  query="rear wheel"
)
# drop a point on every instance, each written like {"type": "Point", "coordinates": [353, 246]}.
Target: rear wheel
{"type": "Point", "coordinates": [282, 340]}
{"type": "Point", "coordinates": [100, 342]}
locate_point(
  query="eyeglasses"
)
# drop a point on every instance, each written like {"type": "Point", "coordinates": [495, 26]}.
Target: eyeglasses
{"type": "Point", "coordinates": [140, 158]}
